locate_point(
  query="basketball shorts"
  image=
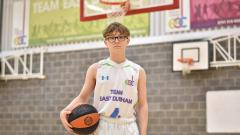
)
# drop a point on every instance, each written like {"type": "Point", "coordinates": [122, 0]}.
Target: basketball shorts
{"type": "Point", "coordinates": [106, 127]}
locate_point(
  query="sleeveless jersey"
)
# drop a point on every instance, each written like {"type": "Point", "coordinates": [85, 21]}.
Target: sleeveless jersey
{"type": "Point", "coordinates": [116, 94]}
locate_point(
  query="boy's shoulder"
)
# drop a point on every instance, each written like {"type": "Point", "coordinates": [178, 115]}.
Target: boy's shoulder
{"type": "Point", "coordinates": [104, 62]}
{"type": "Point", "coordinates": [133, 64]}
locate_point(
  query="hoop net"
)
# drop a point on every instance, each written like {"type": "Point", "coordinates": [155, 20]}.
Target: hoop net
{"type": "Point", "coordinates": [118, 10]}
{"type": "Point", "coordinates": [186, 65]}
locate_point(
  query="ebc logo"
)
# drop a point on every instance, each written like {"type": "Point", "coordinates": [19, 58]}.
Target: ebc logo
{"type": "Point", "coordinates": [129, 82]}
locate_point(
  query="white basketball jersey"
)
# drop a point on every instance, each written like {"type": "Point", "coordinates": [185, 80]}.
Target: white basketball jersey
{"type": "Point", "coordinates": [116, 94]}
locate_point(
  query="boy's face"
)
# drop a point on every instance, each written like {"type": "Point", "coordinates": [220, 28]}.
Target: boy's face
{"type": "Point", "coordinates": [116, 41]}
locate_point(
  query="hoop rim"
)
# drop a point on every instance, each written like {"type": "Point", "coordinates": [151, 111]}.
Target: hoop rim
{"type": "Point", "coordinates": [186, 60]}
{"type": "Point", "coordinates": [112, 3]}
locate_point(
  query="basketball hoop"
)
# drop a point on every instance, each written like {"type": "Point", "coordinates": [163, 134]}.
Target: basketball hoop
{"type": "Point", "coordinates": [118, 9]}
{"type": "Point", "coordinates": [186, 64]}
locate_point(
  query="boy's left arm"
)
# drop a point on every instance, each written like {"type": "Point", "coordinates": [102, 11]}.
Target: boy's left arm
{"type": "Point", "coordinates": [142, 111]}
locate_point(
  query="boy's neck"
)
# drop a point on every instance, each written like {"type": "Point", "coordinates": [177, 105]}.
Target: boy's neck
{"type": "Point", "coordinates": [118, 58]}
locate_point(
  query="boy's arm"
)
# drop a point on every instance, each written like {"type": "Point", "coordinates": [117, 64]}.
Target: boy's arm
{"type": "Point", "coordinates": [142, 103]}
{"type": "Point", "coordinates": [83, 97]}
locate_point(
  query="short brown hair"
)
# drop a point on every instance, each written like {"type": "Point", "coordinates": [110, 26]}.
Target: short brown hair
{"type": "Point", "coordinates": [116, 27]}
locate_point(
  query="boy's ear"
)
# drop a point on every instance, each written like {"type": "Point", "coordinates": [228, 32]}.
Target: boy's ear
{"type": "Point", "coordinates": [105, 42]}
{"type": "Point", "coordinates": [128, 40]}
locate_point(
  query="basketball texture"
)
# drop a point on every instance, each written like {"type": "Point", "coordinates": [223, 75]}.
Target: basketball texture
{"type": "Point", "coordinates": [84, 119]}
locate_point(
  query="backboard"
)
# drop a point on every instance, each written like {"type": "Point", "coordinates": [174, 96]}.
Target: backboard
{"type": "Point", "coordinates": [196, 50]}
{"type": "Point", "coordinates": [94, 9]}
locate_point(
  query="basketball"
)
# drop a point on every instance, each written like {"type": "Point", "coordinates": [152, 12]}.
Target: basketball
{"type": "Point", "coordinates": [84, 119]}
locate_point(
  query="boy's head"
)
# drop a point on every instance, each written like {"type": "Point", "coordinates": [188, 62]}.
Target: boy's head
{"type": "Point", "coordinates": [116, 27]}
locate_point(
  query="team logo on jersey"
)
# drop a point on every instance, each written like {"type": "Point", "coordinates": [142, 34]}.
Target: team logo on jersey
{"type": "Point", "coordinates": [129, 82]}
{"type": "Point", "coordinates": [105, 77]}
{"type": "Point", "coordinates": [115, 113]}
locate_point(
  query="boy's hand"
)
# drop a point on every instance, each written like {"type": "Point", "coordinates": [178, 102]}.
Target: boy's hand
{"type": "Point", "coordinates": [63, 116]}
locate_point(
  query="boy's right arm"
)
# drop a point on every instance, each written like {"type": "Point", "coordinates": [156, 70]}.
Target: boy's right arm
{"type": "Point", "coordinates": [83, 97]}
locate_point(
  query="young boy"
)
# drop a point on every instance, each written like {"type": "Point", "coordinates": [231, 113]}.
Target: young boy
{"type": "Point", "coordinates": [119, 88]}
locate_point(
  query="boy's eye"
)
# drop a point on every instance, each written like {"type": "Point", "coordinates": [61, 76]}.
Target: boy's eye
{"type": "Point", "coordinates": [111, 38]}
{"type": "Point", "coordinates": [121, 37]}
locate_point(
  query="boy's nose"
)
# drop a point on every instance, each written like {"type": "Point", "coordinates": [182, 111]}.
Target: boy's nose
{"type": "Point", "coordinates": [116, 39]}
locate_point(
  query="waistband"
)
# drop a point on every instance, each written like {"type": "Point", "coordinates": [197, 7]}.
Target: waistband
{"type": "Point", "coordinates": [121, 121]}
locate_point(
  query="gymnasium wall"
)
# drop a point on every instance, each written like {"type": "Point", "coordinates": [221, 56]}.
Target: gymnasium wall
{"type": "Point", "coordinates": [177, 104]}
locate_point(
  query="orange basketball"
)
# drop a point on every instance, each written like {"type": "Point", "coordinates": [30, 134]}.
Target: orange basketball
{"type": "Point", "coordinates": [84, 119]}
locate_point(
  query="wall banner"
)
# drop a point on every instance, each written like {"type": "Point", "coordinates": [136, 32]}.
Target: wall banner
{"type": "Point", "coordinates": [58, 22]}
{"type": "Point", "coordinates": [211, 13]}
{"type": "Point", "coordinates": [20, 24]}
{"type": "Point", "coordinates": [178, 19]}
